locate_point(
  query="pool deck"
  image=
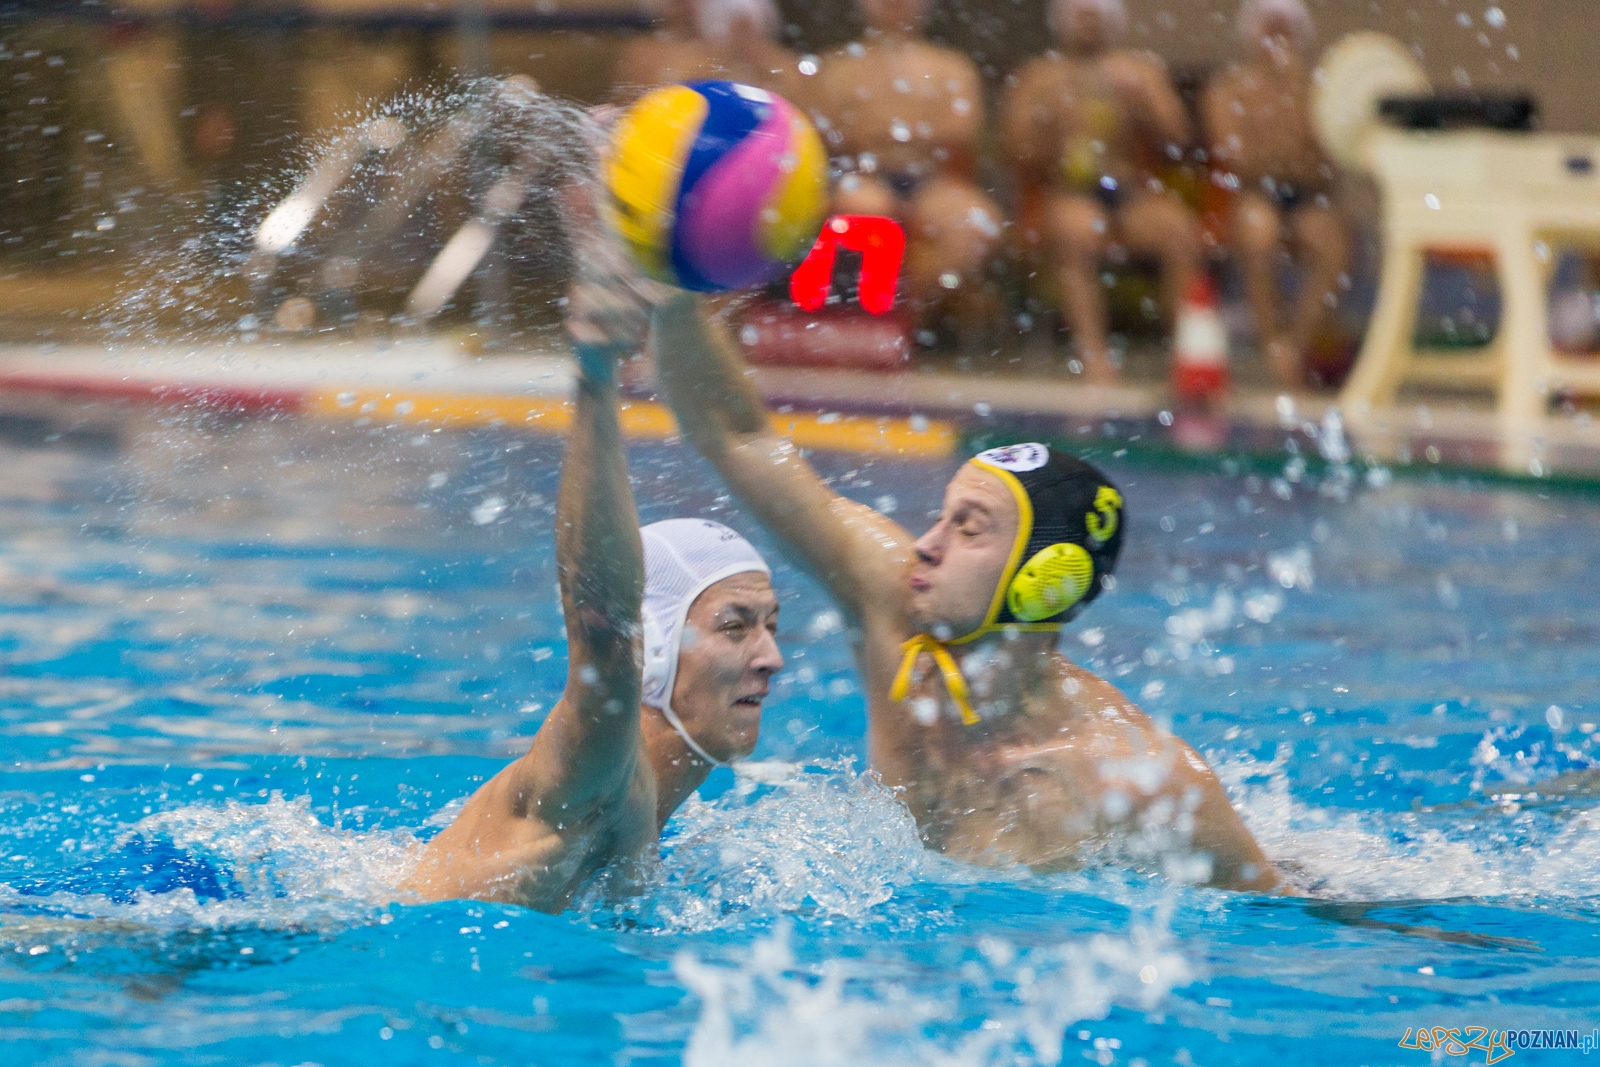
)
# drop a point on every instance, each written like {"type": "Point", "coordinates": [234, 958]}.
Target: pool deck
{"type": "Point", "coordinates": [921, 412]}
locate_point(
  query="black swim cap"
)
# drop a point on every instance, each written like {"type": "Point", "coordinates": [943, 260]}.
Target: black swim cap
{"type": "Point", "coordinates": [1068, 537]}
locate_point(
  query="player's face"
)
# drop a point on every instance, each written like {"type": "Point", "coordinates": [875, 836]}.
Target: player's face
{"type": "Point", "coordinates": [726, 662]}
{"type": "Point", "coordinates": [894, 16]}
{"type": "Point", "coordinates": [960, 561]}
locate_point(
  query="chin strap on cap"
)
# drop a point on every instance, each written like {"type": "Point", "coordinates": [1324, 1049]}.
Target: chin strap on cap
{"type": "Point", "coordinates": [655, 673]}
{"type": "Point", "coordinates": [694, 746]}
{"type": "Point", "coordinates": [682, 559]}
{"type": "Point", "coordinates": [953, 681]}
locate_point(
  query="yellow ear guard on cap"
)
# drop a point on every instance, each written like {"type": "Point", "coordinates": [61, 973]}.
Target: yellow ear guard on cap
{"type": "Point", "coordinates": [1052, 581]}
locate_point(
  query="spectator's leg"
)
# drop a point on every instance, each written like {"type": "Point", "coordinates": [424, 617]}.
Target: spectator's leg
{"type": "Point", "coordinates": [1162, 226]}
{"type": "Point", "coordinates": [1078, 234]}
{"type": "Point", "coordinates": [859, 194]}
{"type": "Point", "coordinates": [952, 230]}
{"type": "Point", "coordinates": [1257, 243]}
{"type": "Point", "coordinates": [1323, 244]}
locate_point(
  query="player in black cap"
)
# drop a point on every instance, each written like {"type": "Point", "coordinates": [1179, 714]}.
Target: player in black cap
{"type": "Point", "coordinates": [1068, 536]}
{"type": "Point", "coordinates": [1005, 751]}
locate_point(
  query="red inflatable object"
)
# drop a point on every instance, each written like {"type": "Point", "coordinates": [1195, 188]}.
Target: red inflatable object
{"type": "Point", "coordinates": [882, 244]}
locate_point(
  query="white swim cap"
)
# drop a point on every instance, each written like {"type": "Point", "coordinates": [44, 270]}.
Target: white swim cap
{"type": "Point", "coordinates": [715, 18]}
{"type": "Point", "coordinates": [682, 559]}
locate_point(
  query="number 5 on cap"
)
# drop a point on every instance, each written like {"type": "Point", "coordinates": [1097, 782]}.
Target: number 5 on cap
{"type": "Point", "coordinates": [882, 244]}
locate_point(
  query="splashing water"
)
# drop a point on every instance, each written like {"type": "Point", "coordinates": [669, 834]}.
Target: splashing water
{"type": "Point", "coordinates": [270, 865]}
{"type": "Point", "coordinates": [1492, 850]}
{"type": "Point", "coordinates": [371, 653]}
{"type": "Point", "coordinates": [827, 840]}
{"type": "Point", "coordinates": [409, 166]}
{"type": "Point", "coordinates": [771, 1010]}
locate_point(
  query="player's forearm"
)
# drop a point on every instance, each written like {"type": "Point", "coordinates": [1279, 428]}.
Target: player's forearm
{"type": "Point", "coordinates": [600, 558]}
{"type": "Point", "coordinates": [721, 413]}
{"type": "Point", "coordinates": [713, 399]}
{"type": "Point", "coordinates": [1237, 861]}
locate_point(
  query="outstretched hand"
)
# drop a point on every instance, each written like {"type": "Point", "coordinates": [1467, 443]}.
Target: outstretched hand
{"type": "Point", "coordinates": [610, 298]}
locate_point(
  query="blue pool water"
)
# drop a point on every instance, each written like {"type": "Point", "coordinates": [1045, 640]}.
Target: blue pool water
{"type": "Point", "coordinates": [248, 666]}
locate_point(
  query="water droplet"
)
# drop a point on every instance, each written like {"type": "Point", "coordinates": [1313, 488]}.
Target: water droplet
{"type": "Point", "coordinates": [488, 510]}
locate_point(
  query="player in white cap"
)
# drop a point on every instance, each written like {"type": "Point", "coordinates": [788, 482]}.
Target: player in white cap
{"type": "Point", "coordinates": [633, 735]}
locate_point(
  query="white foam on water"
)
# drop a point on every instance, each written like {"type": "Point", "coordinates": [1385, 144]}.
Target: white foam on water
{"type": "Point", "coordinates": [1476, 851]}
{"type": "Point", "coordinates": [833, 844]}
{"type": "Point", "coordinates": [769, 1009]}
{"type": "Point", "coordinates": [293, 871]}
{"type": "Point", "coordinates": [824, 839]}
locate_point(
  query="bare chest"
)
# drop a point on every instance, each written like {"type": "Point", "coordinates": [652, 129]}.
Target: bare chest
{"type": "Point", "coordinates": [880, 88]}
{"type": "Point", "coordinates": [1018, 806]}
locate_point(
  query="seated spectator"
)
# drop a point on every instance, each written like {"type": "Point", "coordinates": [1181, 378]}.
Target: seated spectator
{"type": "Point", "coordinates": [1258, 124]}
{"type": "Point", "coordinates": [1084, 127]}
{"type": "Point", "coordinates": [741, 37]}
{"type": "Point", "coordinates": [906, 115]}
{"type": "Point", "coordinates": [731, 39]}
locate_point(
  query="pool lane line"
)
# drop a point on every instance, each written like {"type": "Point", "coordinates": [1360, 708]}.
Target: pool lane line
{"type": "Point", "coordinates": [643, 420]}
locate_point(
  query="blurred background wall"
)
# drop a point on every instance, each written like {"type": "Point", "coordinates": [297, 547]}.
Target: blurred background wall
{"type": "Point", "coordinates": [138, 124]}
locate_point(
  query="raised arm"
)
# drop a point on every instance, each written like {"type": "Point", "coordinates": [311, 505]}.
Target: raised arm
{"type": "Point", "coordinates": [585, 755]}
{"type": "Point", "coordinates": [849, 547]}
{"type": "Point", "coordinates": [587, 749]}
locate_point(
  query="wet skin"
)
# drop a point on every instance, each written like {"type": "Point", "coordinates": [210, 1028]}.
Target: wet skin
{"type": "Point", "coordinates": [1063, 769]}
{"type": "Point", "coordinates": [604, 772]}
